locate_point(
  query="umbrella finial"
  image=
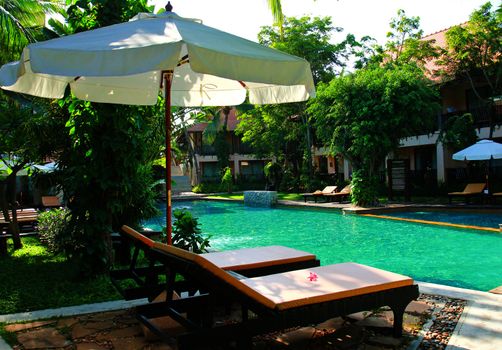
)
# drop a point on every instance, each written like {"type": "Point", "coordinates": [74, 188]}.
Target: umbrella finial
{"type": "Point", "coordinates": [169, 7]}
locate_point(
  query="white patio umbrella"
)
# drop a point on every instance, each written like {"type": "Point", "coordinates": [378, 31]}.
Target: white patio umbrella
{"type": "Point", "coordinates": [481, 150]}
{"type": "Point", "coordinates": [129, 63]}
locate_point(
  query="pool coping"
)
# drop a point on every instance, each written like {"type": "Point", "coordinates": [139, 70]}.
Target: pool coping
{"type": "Point", "coordinates": [437, 223]}
{"type": "Point", "coordinates": [479, 326]}
{"type": "Point", "coordinates": [348, 208]}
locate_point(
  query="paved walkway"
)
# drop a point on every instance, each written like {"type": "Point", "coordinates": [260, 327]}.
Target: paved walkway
{"type": "Point", "coordinates": [479, 327]}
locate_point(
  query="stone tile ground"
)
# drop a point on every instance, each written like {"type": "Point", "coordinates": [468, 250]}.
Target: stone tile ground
{"type": "Point", "coordinates": [428, 324]}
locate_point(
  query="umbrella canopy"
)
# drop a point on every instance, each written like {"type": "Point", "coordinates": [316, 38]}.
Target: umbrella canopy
{"type": "Point", "coordinates": [123, 64]}
{"type": "Point", "coordinates": [481, 150]}
{"type": "Point", "coordinates": [129, 63]}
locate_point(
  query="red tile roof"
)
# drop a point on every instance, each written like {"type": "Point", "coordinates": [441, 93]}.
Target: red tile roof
{"type": "Point", "coordinates": [232, 122]}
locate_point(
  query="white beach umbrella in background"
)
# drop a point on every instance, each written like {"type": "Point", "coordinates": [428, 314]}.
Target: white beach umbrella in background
{"type": "Point", "coordinates": [130, 63]}
{"type": "Point", "coordinates": [481, 150]}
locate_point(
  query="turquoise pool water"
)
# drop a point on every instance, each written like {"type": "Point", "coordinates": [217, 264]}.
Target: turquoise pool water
{"type": "Point", "coordinates": [454, 217]}
{"type": "Point", "coordinates": [461, 258]}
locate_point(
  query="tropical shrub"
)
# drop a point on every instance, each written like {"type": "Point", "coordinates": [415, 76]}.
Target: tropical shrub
{"type": "Point", "coordinates": [51, 227]}
{"type": "Point", "coordinates": [364, 188]}
{"type": "Point", "coordinates": [227, 180]}
{"type": "Point", "coordinates": [187, 233]}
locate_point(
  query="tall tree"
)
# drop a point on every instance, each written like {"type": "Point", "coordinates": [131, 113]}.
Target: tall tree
{"type": "Point", "coordinates": [473, 53]}
{"type": "Point", "coordinates": [364, 115]}
{"type": "Point", "coordinates": [105, 160]}
{"type": "Point", "coordinates": [283, 131]}
{"type": "Point", "coordinates": [23, 143]}
{"type": "Point", "coordinates": [405, 44]}
{"type": "Point", "coordinates": [276, 11]}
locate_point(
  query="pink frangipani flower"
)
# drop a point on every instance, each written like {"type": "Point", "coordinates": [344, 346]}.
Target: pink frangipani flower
{"type": "Point", "coordinates": [312, 277]}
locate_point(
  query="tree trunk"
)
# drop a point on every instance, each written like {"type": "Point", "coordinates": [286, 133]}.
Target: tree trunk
{"type": "Point", "coordinates": [192, 156]}
{"type": "Point", "coordinates": [5, 212]}
{"type": "Point", "coordinates": [13, 225]}
{"type": "Point", "coordinates": [309, 145]}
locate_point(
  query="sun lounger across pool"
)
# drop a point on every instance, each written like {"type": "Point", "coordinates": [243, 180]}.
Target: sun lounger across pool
{"type": "Point", "coordinates": [319, 194]}
{"type": "Point", "coordinates": [471, 190]}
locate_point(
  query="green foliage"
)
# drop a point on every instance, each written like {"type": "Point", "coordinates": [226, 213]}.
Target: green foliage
{"type": "Point", "coordinates": [187, 233]}
{"type": "Point", "coordinates": [30, 271]}
{"type": "Point", "coordinates": [475, 45]}
{"type": "Point", "coordinates": [283, 131]}
{"type": "Point", "coordinates": [276, 11]}
{"type": "Point", "coordinates": [105, 167]}
{"type": "Point", "coordinates": [364, 188]}
{"type": "Point", "coordinates": [364, 115]}
{"type": "Point", "coordinates": [273, 173]}
{"type": "Point", "coordinates": [227, 179]}
{"type": "Point", "coordinates": [473, 53]}
{"type": "Point", "coordinates": [84, 15]}
{"type": "Point", "coordinates": [216, 132]}
{"type": "Point", "coordinates": [405, 44]}
{"type": "Point", "coordinates": [106, 153]}
{"type": "Point", "coordinates": [458, 132]}
{"type": "Point", "coordinates": [51, 227]}
{"type": "Point", "coordinates": [22, 143]}
{"type": "Point", "coordinates": [309, 38]}
{"type": "Point", "coordinates": [21, 22]}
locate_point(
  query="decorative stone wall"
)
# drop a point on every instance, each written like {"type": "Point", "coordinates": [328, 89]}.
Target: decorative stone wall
{"type": "Point", "coordinates": [260, 198]}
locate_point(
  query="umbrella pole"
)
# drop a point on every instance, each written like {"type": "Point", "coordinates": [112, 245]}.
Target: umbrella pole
{"type": "Point", "coordinates": [168, 79]}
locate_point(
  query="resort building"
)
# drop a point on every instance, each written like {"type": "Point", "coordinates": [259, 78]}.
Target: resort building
{"type": "Point", "coordinates": [429, 161]}
{"type": "Point", "coordinates": [244, 164]}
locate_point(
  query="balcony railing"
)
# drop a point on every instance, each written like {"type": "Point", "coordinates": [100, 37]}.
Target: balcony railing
{"type": "Point", "coordinates": [482, 115]}
{"type": "Point", "coordinates": [205, 150]}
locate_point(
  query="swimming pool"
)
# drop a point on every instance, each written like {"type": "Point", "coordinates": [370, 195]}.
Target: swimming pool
{"type": "Point", "coordinates": [460, 217]}
{"type": "Point", "coordinates": [461, 258]}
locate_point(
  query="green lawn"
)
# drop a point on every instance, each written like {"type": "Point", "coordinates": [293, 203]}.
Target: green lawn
{"type": "Point", "coordinates": [33, 279]}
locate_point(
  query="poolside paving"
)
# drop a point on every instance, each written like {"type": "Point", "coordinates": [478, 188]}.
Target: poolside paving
{"type": "Point", "coordinates": [479, 327]}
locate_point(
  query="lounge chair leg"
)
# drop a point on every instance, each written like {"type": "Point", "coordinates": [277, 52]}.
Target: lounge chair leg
{"type": "Point", "coordinates": [398, 311]}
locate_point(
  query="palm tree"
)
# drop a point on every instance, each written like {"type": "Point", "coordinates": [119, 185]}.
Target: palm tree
{"type": "Point", "coordinates": [21, 22]}
{"type": "Point", "coordinates": [276, 10]}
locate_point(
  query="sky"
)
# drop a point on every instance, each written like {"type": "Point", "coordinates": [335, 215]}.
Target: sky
{"type": "Point", "coordinates": [359, 17]}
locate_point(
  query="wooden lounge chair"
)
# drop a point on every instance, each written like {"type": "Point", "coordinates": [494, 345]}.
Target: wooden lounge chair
{"type": "Point", "coordinates": [471, 190]}
{"type": "Point", "coordinates": [267, 303]}
{"type": "Point", "coordinates": [319, 194]}
{"type": "Point", "coordinates": [340, 196]}
{"type": "Point", "coordinates": [26, 219]}
{"type": "Point", "coordinates": [248, 262]}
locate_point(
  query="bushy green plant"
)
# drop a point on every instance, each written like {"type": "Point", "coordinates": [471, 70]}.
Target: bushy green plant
{"type": "Point", "coordinates": [364, 188]}
{"type": "Point", "coordinates": [227, 180]}
{"type": "Point", "coordinates": [458, 132]}
{"type": "Point", "coordinates": [198, 188]}
{"type": "Point", "coordinates": [206, 187]}
{"type": "Point", "coordinates": [187, 233]}
{"type": "Point", "coordinates": [51, 225]}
